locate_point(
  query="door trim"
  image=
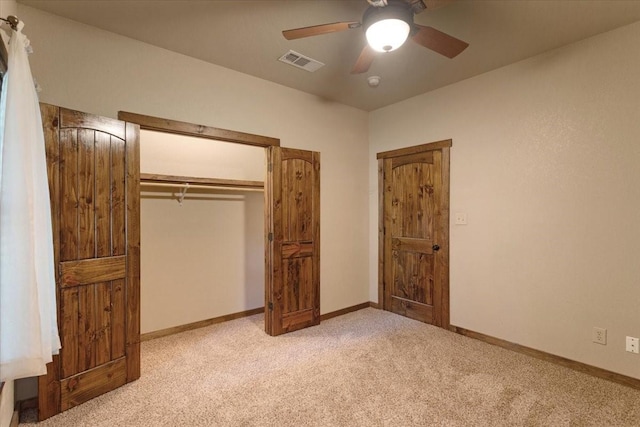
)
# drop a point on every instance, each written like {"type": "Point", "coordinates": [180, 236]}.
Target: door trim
{"type": "Point", "coordinates": [200, 131]}
{"type": "Point", "coordinates": [442, 260]}
{"type": "Point", "coordinates": [159, 124]}
{"type": "Point", "coordinates": [431, 146]}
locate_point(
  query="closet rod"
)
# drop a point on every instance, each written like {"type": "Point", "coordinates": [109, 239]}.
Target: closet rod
{"type": "Point", "coordinates": [176, 179]}
{"type": "Point", "coordinates": [200, 186]}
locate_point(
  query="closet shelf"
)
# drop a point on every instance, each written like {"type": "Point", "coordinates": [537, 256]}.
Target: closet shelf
{"type": "Point", "coordinates": [147, 178]}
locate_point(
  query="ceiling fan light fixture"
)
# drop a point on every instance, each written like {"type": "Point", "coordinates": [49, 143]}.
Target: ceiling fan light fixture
{"type": "Point", "coordinates": [387, 28]}
{"type": "Point", "coordinates": [387, 35]}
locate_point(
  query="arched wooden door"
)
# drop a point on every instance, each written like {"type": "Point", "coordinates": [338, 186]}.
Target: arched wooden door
{"type": "Point", "coordinates": [93, 170]}
{"type": "Point", "coordinates": [292, 201]}
{"type": "Point", "coordinates": [414, 232]}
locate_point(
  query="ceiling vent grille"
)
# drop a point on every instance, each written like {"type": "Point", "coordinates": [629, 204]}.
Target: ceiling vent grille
{"type": "Point", "coordinates": [299, 60]}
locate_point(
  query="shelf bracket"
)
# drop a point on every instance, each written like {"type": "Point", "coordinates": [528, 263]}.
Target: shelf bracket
{"type": "Point", "coordinates": [183, 193]}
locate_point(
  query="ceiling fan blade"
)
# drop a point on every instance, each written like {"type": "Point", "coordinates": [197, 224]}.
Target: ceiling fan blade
{"type": "Point", "coordinates": [364, 60]}
{"type": "Point", "coordinates": [438, 41]}
{"type": "Point", "coordinates": [435, 4]}
{"type": "Point", "coordinates": [419, 6]}
{"type": "Point", "coordinates": [317, 30]}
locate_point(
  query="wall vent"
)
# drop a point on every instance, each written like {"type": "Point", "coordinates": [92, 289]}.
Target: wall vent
{"type": "Point", "coordinates": [299, 60]}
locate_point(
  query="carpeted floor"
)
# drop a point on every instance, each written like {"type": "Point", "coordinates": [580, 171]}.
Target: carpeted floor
{"type": "Point", "coordinates": [368, 368]}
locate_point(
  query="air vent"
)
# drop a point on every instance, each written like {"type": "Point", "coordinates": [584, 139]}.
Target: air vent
{"type": "Point", "coordinates": [299, 60]}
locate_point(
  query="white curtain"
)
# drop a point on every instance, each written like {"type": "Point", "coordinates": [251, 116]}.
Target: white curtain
{"type": "Point", "coordinates": [28, 325]}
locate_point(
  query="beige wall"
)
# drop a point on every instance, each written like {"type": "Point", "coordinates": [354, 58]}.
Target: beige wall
{"type": "Point", "coordinates": [169, 154]}
{"type": "Point", "coordinates": [91, 70]}
{"type": "Point", "coordinates": [546, 164]}
{"type": "Point", "coordinates": [201, 260]}
{"type": "Point", "coordinates": [204, 258]}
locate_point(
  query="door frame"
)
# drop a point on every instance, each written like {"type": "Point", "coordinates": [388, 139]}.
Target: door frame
{"type": "Point", "coordinates": [442, 227]}
{"type": "Point", "coordinates": [216, 134]}
{"type": "Point", "coordinates": [159, 124]}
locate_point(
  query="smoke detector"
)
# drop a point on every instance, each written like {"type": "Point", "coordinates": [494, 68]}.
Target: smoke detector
{"type": "Point", "coordinates": [373, 81]}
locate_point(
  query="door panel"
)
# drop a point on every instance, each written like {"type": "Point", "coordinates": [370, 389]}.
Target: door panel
{"type": "Point", "coordinates": [414, 213]}
{"type": "Point", "coordinates": [297, 283]}
{"type": "Point", "coordinates": [292, 197]}
{"type": "Point", "coordinates": [93, 172]}
{"type": "Point", "coordinates": [412, 276]}
{"type": "Point", "coordinates": [89, 384]}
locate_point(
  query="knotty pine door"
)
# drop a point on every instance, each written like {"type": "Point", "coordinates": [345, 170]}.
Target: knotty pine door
{"type": "Point", "coordinates": [292, 201]}
{"type": "Point", "coordinates": [93, 170]}
{"type": "Point", "coordinates": [415, 232]}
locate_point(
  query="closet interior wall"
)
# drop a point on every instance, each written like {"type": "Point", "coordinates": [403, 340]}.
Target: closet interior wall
{"type": "Point", "coordinates": [202, 258]}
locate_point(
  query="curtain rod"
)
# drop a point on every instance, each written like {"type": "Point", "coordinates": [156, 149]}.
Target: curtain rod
{"type": "Point", "coordinates": [12, 21]}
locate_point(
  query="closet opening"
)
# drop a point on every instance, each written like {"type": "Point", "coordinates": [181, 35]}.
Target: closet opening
{"type": "Point", "coordinates": [202, 226]}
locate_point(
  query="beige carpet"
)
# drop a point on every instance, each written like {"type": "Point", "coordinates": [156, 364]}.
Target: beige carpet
{"type": "Point", "coordinates": [368, 368]}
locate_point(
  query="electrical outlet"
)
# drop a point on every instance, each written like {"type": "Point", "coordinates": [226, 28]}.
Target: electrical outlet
{"type": "Point", "coordinates": [632, 344]}
{"type": "Point", "coordinates": [599, 335]}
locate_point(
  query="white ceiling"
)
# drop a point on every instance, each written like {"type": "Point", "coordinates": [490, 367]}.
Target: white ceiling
{"type": "Point", "coordinates": [246, 36]}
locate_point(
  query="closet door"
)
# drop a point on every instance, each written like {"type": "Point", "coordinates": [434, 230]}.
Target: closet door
{"type": "Point", "coordinates": [93, 169]}
{"type": "Point", "coordinates": [292, 199]}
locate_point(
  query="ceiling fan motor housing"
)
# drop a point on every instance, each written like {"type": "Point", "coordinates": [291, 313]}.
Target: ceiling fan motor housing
{"type": "Point", "coordinates": [395, 9]}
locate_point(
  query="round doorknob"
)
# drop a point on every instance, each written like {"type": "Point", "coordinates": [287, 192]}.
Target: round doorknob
{"type": "Point", "coordinates": [436, 247]}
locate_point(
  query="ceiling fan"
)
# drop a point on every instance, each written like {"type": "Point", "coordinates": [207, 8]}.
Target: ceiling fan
{"type": "Point", "coordinates": [387, 25]}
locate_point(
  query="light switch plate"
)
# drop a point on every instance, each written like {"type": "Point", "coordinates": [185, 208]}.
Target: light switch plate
{"type": "Point", "coordinates": [461, 219]}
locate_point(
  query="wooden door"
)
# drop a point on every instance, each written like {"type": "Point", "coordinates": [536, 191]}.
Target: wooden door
{"type": "Point", "coordinates": [93, 169]}
{"type": "Point", "coordinates": [292, 201]}
{"type": "Point", "coordinates": [415, 232]}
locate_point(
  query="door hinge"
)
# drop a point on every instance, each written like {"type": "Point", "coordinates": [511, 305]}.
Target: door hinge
{"type": "Point", "coordinates": [270, 237]}
{"type": "Point", "coordinates": [270, 305]}
{"type": "Point", "coordinates": [270, 167]}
